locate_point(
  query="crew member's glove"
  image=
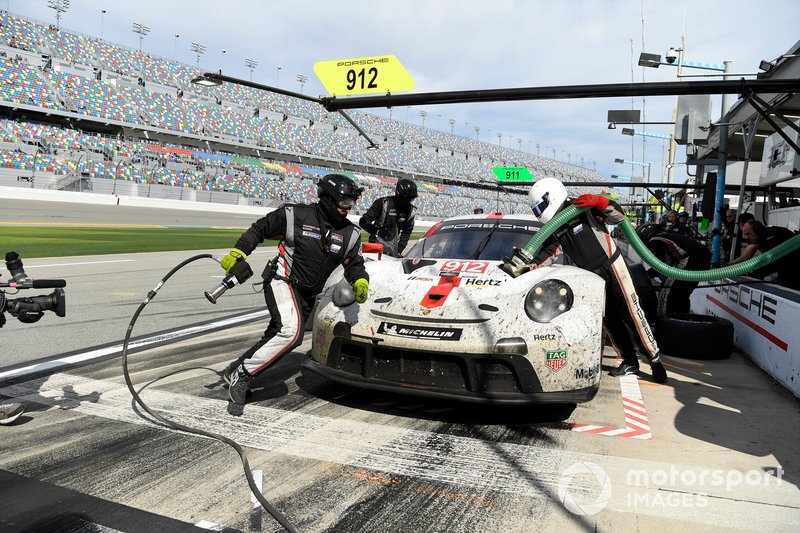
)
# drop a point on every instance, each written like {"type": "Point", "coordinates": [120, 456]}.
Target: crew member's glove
{"type": "Point", "coordinates": [361, 287]}
{"type": "Point", "coordinates": [229, 260]}
{"type": "Point", "coordinates": [591, 200]}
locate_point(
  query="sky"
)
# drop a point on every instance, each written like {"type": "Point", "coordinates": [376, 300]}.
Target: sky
{"type": "Point", "coordinates": [449, 45]}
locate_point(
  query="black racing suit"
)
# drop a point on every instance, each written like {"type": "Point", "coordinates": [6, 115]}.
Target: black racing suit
{"type": "Point", "coordinates": [679, 251]}
{"type": "Point", "coordinates": [311, 248]}
{"type": "Point", "coordinates": [389, 221]}
{"type": "Point", "coordinates": [586, 240]}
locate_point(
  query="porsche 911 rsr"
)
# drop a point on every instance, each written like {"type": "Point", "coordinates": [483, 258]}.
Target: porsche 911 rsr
{"type": "Point", "coordinates": [447, 322]}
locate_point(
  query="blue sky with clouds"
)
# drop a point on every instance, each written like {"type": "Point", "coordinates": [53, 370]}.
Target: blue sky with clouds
{"type": "Point", "coordinates": [465, 44]}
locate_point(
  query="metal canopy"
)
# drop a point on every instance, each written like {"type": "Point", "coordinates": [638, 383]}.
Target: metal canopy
{"type": "Point", "coordinates": [743, 112]}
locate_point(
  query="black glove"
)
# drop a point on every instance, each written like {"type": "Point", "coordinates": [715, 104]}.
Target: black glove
{"type": "Point", "coordinates": [241, 270]}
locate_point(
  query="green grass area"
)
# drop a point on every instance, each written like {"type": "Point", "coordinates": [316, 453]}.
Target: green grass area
{"type": "Point", "coordinates": [39, 241]}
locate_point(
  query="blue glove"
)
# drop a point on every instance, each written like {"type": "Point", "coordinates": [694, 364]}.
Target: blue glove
{"type": "Point", "coordinates": [361, 288]}
{"type": "Point", "coordinates": [229, 260]}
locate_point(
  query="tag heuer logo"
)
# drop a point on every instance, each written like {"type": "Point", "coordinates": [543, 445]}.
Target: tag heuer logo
{"type": "Point", "coordinates": [556, 360]}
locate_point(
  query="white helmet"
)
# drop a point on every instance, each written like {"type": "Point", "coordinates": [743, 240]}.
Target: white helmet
{"type": "Point", "coordinates": [547, 196]}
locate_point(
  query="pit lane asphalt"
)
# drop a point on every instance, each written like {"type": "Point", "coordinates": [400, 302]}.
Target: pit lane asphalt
{"type": "Point", "coordinates": [338, 460]}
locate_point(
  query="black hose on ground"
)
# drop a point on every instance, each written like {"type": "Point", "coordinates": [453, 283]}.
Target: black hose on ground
{"type": "Point", "coordinates": [282, 520]}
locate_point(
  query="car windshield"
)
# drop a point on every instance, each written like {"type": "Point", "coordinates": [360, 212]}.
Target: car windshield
{"type": "Point", "coordinates": [461, 240]}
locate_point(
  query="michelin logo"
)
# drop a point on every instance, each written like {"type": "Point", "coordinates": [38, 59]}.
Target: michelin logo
{"type": "Point", "coordinates": [400, 330]}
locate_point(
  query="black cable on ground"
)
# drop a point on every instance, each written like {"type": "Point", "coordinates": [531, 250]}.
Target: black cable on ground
{"type": "Point", "coordinates": [282, 520]}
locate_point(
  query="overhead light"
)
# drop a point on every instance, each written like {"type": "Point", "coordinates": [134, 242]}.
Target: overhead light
{"type": "Point", "coordinates": [612, 126]}
{"type": "Point", "coordinates": [627, 131]}
{"type": "Point", "coordinates": [649, 60]}
{"type": "Point", "coordinates": [766, 66]}
{"type": "Point", "coordinates": [614, 176]}
{"type": "Point", "coordinates": [618, 160]}
{"type": "Point", "coordinates": [206, 80]}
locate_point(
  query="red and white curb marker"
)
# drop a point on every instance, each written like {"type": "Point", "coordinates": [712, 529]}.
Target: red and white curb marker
{"type": "Point", "coordinates": [636, 424]}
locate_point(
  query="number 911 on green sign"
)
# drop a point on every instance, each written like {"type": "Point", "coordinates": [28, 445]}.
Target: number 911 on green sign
{"type": "Point", "coordinates": [363, 75]}
{"type": "Point", "coordinates": [512, 174]}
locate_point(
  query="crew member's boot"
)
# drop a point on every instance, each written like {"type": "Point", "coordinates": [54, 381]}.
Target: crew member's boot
{"type": "Point", "coordinates": [239, 384]}
{"type": "Point", "coordinates": [658, 370]}
{"type": "Point", "coordinates": [10, 412]}
{"type": "Point", "coordinates": [625, 369]}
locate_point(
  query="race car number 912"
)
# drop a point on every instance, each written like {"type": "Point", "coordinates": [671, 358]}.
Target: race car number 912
{"type": "Point", "coordinates": [472, 267]}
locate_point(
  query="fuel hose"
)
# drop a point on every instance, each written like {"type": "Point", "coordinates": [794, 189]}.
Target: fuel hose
{"type": "Point", "coordinates": [648, 257]}
{"type": "Point", "coordinates": [282, 520]}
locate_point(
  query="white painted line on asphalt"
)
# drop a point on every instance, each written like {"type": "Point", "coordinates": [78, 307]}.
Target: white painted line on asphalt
{"type": "Point", "coordinates": [480, 467]}
{"type": "Point", "coordinates": [211, 526]}
{"type": "Point", "coordinates": [82, 263]}
{"type": "Point", "coordinates": [84, 357]}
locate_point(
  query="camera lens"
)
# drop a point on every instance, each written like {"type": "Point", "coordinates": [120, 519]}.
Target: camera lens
{"type": "Point", "coordinates": [14, 265]}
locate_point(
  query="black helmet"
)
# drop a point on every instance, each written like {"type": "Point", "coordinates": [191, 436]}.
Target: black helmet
{"type": "Point", "coordinates": [338, 187]}
{"type": "Point", "coordinates": [406, 189]}
{"type": "Point", "coordinates": [648, 231]}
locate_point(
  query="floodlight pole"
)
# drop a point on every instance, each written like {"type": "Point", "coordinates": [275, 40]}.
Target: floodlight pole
{"type": "Point", "coordinates": [59, 6]}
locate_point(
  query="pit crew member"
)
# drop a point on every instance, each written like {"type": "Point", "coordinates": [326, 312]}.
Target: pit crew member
{"type": "Point", "coordinates": [585, 238]}
{"type": "Point", "coordinates": [390, 220]}
{"type": "Point", "coordinates": [315, 239]}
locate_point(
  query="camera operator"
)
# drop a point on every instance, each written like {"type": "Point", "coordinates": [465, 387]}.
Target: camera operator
{"type": "Point", "coordinates": [27, 311]}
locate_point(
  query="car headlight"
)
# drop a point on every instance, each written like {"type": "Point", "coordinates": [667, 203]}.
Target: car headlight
{"type": "Point", "coordinates": [548, 299]}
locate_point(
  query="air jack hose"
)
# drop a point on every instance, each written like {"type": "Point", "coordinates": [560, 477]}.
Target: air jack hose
{"type": "Point", "coordinates": [648, 257]}
{"type": "Point", "coordinates": [282, 520]}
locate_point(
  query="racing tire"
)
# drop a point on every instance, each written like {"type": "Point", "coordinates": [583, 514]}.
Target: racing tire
{"type": "Point", "coordinates": [692, 336]}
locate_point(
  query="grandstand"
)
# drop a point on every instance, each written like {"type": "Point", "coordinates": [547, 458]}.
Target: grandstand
{"type": "Point", "coordinates": [86, 114]}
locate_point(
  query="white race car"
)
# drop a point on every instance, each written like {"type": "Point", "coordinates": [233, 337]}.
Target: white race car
{"type": "Point", "coordinates": [447, 322]}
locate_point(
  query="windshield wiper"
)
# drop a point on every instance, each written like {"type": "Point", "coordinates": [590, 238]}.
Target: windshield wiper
{"type": "Point", "coordinates": [485, 241]}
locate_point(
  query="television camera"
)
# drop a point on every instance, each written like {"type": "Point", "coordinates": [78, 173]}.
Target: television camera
{"type": "Point", "coordinates": [30, 309]}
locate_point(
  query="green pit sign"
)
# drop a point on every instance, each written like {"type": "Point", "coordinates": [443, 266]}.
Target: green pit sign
{"type": "Point", "coordinates": [513, 174]}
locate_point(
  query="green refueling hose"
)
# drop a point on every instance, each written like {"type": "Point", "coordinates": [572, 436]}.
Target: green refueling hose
{"type": "Point", "coordinates": [647, 256]}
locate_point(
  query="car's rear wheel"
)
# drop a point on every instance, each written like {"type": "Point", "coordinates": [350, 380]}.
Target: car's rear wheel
{"type": "Point", "coordinates": [694, 336]}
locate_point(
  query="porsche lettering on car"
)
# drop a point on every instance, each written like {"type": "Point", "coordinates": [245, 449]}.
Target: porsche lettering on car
{"type": "Point", "coordinates": [445, 321]}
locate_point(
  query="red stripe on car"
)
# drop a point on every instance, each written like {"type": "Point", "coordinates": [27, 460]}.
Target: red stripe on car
{"type": "Point", "coordinates": [437, 294]}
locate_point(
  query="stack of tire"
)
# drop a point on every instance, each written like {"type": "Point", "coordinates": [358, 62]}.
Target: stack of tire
{"type": "Point", "coordinates": [684, 335]}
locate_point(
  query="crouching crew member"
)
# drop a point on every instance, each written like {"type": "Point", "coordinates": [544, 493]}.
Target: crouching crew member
{"type": "Point", "coordinates": [679, 251]}
{"type": "Point", "coordinates": [315, 239]}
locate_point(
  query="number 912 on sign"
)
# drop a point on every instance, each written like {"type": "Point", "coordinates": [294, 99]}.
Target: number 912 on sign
{"type": "Point", "coordinates": [363, 75]}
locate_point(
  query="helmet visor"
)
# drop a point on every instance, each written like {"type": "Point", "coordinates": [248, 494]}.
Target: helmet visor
{"type": "Point", "coordinates": [539, 208]}
{"type": "Point", "coordinates": [345, 202]}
